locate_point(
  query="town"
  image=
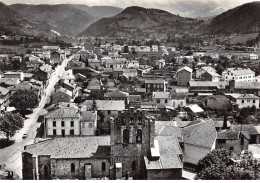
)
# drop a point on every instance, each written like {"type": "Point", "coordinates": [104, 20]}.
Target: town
{"type": "Point", "coordinates": [129, 108]}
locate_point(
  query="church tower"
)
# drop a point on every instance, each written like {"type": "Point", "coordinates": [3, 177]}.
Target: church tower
{"type": "Point", "coordinates": [132, 136]}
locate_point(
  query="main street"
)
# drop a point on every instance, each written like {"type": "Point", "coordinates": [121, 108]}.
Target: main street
{"type": "Point", "coordinates": [12, 155]}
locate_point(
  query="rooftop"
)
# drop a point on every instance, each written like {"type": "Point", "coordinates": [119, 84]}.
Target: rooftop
{"type": "Point", "coordinates": [72, 147]}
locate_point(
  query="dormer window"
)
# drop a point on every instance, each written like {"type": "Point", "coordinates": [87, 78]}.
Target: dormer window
{"type": "Point", "coordinates": [139, 136]}
{"type": "Point", "coordinates": [131, 120]}
{"type": "Point", "coordinates": [139, 120]}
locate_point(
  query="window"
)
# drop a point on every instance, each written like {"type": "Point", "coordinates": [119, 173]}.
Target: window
{"type": "Point", "coordinates": [131, 120]}
{"type": "Point", "coordinates": [166, 101]}
{"type": "Point", "coordinates": [54, 123]}
{"type": "Point", "coordinates": [126, 136]}
{"type": "Point", "coordinates": [231, 149]}
{"type": "Point", "coordinates": [139, 120]}
{"type": "Point", "coordinates": [54, 132]}
{"type": "Point", "coordinates": [108, 112]}
{"type": "Point", "coordinates": [158, 101]}
{"type": "Point", "coordinates": [248, 100]}
{"type": "Point", "coordinates": [222, 141]}
{"type": "Point", "coordinates": [62, 133]}
{"type": "Point", "coordinates": [90, 125]}
{"type": "Point", "coordinates": [103, 165]}
{"type": "Point", "coordinates": [243, 101]}
{"type": "Point", "coordinates": [62, 123]}
{"type": "Point", "coordinates": [72, 123]}
{"type": "Point", "coordinates": [139, 136]}
{"type": "Point", "coordinates": [134, 165]}
{"type": "Point", "coordinates": [123, 120]}
{"type": "Point", "coordinates": [253, 101]}
{"type": "Point", "coordinates": [242, 141]}
{"type": "Point", "coordinates": [72, 168]}
{"type": "Point", "coordinates": [71, 132]}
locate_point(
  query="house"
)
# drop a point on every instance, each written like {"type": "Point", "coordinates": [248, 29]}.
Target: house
{"type": "Point", "coordinates": [117, 95]}
{"type": "Point", "coordinates": [162, 98]}
{"type": "Point", "coordinates": [51, 48]}
{"type": "Point", "coordinates": [94, 63]}
{"type": "Point", "coordinates": [9, 81]}
{"type": "Point", "coordinates": [94, 85]}
{"type": "Point", "coordinates": [244, 100]}
{"type": "Point", "coordinates": [184, 76]}
{"type": "Point", "coordinates": [88, 123]}
{"type": "Point", "coordinates": [135, 101]}
{"type": "Point", "coordinates": [249, 130]}
{"type": "Point", "coordinates": [64, 121]}
{"type": "Point", "coordinates": [178, 100]}
{"type": "Point", "coordinates": [195, 109]}
{"type": "Point", "coordinates": [211, 75]}
{"type": "Point", "coordinates": [199, 140]}
{"type": "Point", "coordinates": [253, 57]}
{"type": "Point", "coordinates": [207, 86]}
{"type": "Point", "coordinates": [148, 106]}
{"type": "Point", "coordinates": [11, 75]}
{"type": "Point", "coordinates": [129, 73]}
{"type": "Point", "coordinates": [233, 141]}
{"type": "Point", "coordinates": [132, 64]}
{"type": "Point", "coordinates": [61, 95]}
{"type": "Point", "coordinates": [160, 63]}
{"type": "Point", "coordinates": [27, 86]}
{"type": "Point", "coordinates": [165, 162]}
{"type": "Point", "coordinates": [238, 74]}
{"type": "Point", "coordinates": [153, 85]}
{"type": "Point", "coordinates": [43, 73]}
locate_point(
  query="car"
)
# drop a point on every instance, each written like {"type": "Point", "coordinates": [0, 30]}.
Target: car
{"type": "Point", "coordinates": [24, 136]}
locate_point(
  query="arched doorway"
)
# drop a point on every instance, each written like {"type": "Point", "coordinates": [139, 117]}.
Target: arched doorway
{"type": "Point", "coordinates": [46, 172]}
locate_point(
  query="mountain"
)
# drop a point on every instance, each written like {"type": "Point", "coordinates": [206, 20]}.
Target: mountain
{"type": "Point", "coordinates": [99, 11]}
{"type": "Point", "coordinates": [64, 18]}
{"type": "Point", "coordinates": [14, 22]}
{"type": "Point", "coordinates": [138, 21]}
{"type": "Point", "coordinates": [242, 19]}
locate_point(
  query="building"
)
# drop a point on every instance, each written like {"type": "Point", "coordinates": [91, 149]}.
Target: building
{"type": "Point", "coordinates": [253, 57]}
{"type": "Point", "coordinates": [13, 75]}
{"type": "Point", "coordinates": [61, 95]}
{"type": "Point", "coordinates": [199, 140]}
{"type": "Point", "coordinates": [244, 100]}
{"type": "Point", "coordinates": [233, 141]}
{"type": "Point", "coordinates": [69, 121]}
{"type": "Point", "coordinates": [117, 95]}
{"type": "Point", "coordinates": [184, 76]}
{"type": "Point", "coordinates": [55, 58]}
{"type": "Point", "coordinates": [43, 73]}
{"type": "Point", "coordinates": [5, 95]}
{"type": "Point", "coordinates": [238, 74]}
{"type": "Point", "coordinates": [156, 85]}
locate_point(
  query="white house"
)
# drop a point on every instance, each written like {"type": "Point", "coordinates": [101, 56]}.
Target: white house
{"type": "Point", "coordinates": [253, 57]}
{"type": "Point", "coordinates": [239, 74]}
{"type": "Point", "coordinates": [244, 100]}
{"type": "Point", "coordinates": [199, 140]}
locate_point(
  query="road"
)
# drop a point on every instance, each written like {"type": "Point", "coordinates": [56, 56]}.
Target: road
{"type": "Point", "coordinates": [12, 155]}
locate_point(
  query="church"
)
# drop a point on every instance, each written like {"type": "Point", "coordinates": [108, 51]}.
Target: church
{"type": "Point", "coordinates": [132, 151]}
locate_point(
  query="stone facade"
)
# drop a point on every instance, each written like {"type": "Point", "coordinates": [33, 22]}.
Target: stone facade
{"type": "Point", "coordinates": [183, 78]}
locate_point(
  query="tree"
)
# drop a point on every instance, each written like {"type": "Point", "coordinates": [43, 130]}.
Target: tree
{"type": "Point", "coordinates": [219, 165]}
{"type": "Point", "coordinates": [23, 100]}
{"type": "Point", "coordinates": [10, 123]}
{"type": "Point", "coordinates": [185, 61]}
{"type": "Point", "coordinates": [173, 60]}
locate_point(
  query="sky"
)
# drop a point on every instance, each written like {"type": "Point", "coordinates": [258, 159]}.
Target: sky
{"type": "Point", "coordinates": [181, 7]}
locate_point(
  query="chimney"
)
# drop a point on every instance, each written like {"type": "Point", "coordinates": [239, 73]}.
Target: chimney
{"type": "Point", "coordinates": [225, 122]}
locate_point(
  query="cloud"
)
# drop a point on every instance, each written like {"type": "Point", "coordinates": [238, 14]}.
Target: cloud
{"type": "Point", "coordinates": [182, 7]}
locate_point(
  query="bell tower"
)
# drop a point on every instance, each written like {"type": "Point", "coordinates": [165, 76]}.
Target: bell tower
{"type": "Point", "coordinates": [132, 135]}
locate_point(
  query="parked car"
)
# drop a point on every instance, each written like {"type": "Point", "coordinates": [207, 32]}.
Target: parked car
{"type": "Point", "coordinates": [24, 136]}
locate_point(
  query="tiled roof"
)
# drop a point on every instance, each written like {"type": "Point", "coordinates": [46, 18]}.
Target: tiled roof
{"type": "Point", "coordinates": [243, 96]}
{"type": "Point", "coordinates": [246, 127]}
{"type": "Point", "coordinates": [115, 94]}
{"type": "Point", "coordinates": [155, 81]}
{"type": "Point", "coordinates": [161, 95]}
{"type": "Point", "coordinates": [72, 147]}
{"type": "Point", "coordinates": [25, 86]}
{"type": "Point", "coordinates": [228, 134]}
{"type": "Point", "coordinates": [185, 68]}
{"type": "Point", "coordinates": [247, 85]}
{"type": "Point", "coordinates": [63, 112]}
{"type": "Point", "coordinates": [46, 68]}
{"type": "Point", "coordinates": [61, 90]}
{"type": "Point", "coordinates": [239, 71]}
{"type": "Point", "coordinates": [9, 81]}
{"type": "Point", "coordinates": [105, 105]}
{"type": "Point", "coordinates": [88, 116]}
{"type": "Point", "coordinates": [170, 150]}
{"type": "Point", "coordinates": [135, 98]}
{"type": "Point", "coordinates": [201, 134]}
{"type": "Point", "coordinates": [218, 84]}
{"type": "Point", "coordinates": [3, 91]}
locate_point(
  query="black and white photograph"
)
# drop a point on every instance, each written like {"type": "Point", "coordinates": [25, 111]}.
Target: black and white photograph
{"type": "Point", "coordinates": [129, 90]}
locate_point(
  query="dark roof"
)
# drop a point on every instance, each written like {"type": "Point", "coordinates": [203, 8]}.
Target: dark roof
{"type": "Point", "coordinates": [228, 134]}
{"type": "Point", "coordinates": [247, 127]}
{"type": "Point", "coordinates": [115, 94]}
{"type": "Point", "coordinates": [200, 134]}
{"type": "Point", "coordinates": [72, 147]}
